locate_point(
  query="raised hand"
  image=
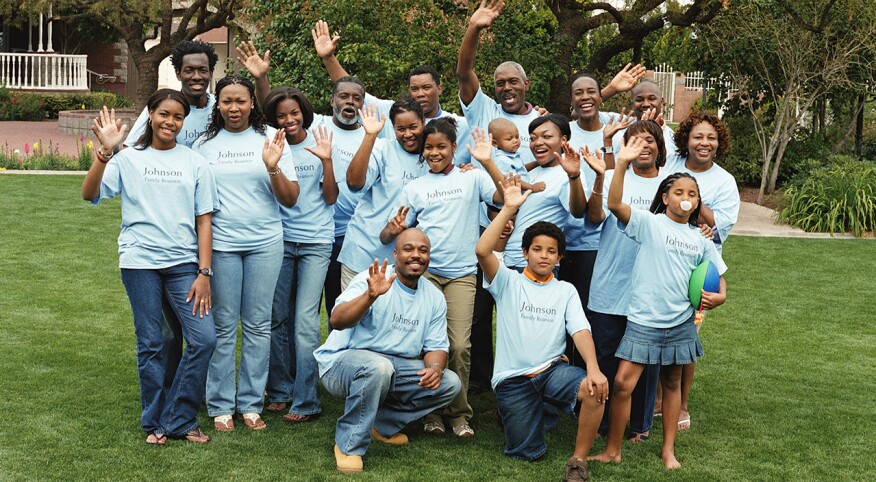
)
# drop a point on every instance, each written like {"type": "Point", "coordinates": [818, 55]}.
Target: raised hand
{"type": "Point", "coordinates": [371, 119]}
{"type": "Point", "coordinates": [616, 123]}
{"type": "Point", "coordinates": [594, 160]}
{"type": "Point", "coordinates": [323, 149]}
{"type": "Point", "coordinates": [108, 130]}
{"type": "Point", "coordinates": [570, 160]}
{"type": "Point", "coordinates": [631, 150]}
{"type": "Point", "coordinates": [398, 222]}
{"type": "Point", "coordinates": [377, 282]}
{"type": "Point", "coordinates": [248, 56]}
{"type": "Point", "coordinates": [513, 196]}
{"type": "Point", "coordinates": [483, 145]}
{"type": "Point", "coordinates": [541, 111]}
{"type": "Point", "coordinates": [486, 14]}
{"type": "Point", "coordinates": [274, 149]}
{"type": "Point", "coordinates": [323, 41]}
{"type": "Point", "coordinates": [652, 115]}
{"type": "Point", "coordinates": [627, 78]}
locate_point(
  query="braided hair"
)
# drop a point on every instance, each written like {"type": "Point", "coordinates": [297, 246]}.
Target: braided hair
{"type": "Point", "coordinates": [659, 207]}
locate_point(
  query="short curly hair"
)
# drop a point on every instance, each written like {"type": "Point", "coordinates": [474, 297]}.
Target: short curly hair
{"type": "Point", "coordinates": [695, 118]}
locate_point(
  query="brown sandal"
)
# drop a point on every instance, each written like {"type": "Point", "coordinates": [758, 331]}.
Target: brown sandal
{"type": "Point", "coordinates": [277, 406]}
{"type": "Point", "coordinates": [298, 418]}
{"type": "Point", "coordinates": [197, 436]}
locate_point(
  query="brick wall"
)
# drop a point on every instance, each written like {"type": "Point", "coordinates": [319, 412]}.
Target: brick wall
{"type": "Point", "coordinates": [109, 59]}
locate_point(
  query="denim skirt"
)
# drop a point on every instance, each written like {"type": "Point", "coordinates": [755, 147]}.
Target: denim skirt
{"type": "Point", "coordinates": [678, 345]}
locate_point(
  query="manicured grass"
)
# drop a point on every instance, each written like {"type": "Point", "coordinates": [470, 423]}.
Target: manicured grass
{"type": "Point", "coordinates": [785, 391]}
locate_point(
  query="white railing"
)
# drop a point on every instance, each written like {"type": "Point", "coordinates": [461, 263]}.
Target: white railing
{"type": "Point", "coordinates": [664, 76]}
{"type": "Point", "coordinates": [43, 71]}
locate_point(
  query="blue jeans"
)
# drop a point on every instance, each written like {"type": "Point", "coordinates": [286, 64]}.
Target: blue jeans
{"type": "Point", "coordinates": [520, 401]}
{"type": "Point", "coordinates": [607, 331]}
{"type": "Point", "coordinates": [243, 287]}
{"type": "Point", "coordinates": [169, 410]}
{"type": "Point", "coordinates": [293, 374]}
{"type": "Point", "coordinates": [382, 392]}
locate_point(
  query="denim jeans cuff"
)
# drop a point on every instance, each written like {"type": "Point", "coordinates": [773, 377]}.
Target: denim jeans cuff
{"type": "Point", "coordinates": [220, 413]}
{"type": "Point", "coordinates": [184, 432]}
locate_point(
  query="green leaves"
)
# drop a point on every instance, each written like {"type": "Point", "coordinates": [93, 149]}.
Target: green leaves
{"type": "Point", "coordinates": [839, 198]}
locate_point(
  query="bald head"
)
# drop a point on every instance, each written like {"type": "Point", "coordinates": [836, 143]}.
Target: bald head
{"type": "Point", "coordinates": [411, 254]}
{"type": "Point", "coordinates": [412, 235]}
{"type": "Point", "coordinates": [646, 86]}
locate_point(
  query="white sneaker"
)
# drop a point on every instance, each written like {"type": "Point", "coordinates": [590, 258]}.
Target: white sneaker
{"type": "Point", "coordinates": [434, 428]}
{"type": "Point", "coordinates": [463, 430]}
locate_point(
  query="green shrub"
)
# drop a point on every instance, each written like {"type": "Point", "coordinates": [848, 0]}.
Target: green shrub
{"type": "Point", "coordinates": [21, 106]}
{"type": "Point", "coordinates": [33, 107]}
{"type": "Point", "coordinates": [837, 198]}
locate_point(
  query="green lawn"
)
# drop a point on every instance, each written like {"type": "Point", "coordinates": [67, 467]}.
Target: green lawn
{"type": "Point", "coordinates": [785, 391]}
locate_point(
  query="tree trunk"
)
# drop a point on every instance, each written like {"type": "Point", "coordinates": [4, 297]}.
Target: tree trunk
{"type": "Point", "coordinates": [570, 31]}
{"type": "Point", "coordinates": [147, 62]}
{"type": "Point", "coordinates": [859, 126]}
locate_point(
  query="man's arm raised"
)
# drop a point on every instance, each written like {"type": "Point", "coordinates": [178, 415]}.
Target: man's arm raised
{"type": "Point", "coordinates": [346, 315]}
{"type": "Point", "coordinates": [325, 45]}
{"type": "Point", "coordinates": [465, 64]}
{"type": "Point", "coordinates": [484, 249]}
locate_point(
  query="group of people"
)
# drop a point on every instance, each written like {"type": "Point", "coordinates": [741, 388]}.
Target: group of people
{"type": "Point", "coordinates": [245, 206]}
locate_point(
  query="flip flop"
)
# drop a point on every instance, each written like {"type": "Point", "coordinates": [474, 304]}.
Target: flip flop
{"type": "Point", "coordinates": [638, 437]}
{"type": "Point", "coordinates": [254, 421]}
{"type": "Point", "coordinates": [157, 439]}
{"type": "Point", "coordinates": [223, 423]}
{"type": "Point", "coordinates": [298, 418]}
{"type": "Point", "coordinates": [197, 436]}
{"type": "Point", "coordinates": [684, 421]}
{"type": "Point", "coordinates": [277, 406]}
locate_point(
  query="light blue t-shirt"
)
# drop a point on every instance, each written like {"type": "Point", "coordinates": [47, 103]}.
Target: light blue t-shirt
{"type": "Point", "coordinates": [581, 233]}
{"type": "Point", "coordinates": [193, 126]}
{"type": "Point", "coordinates": [668, 254]}
{"type": "Point", "coordinates": [483, 109]}
{"type": "Point", "coordinates": [249, 214]}
{"type": "Point", "coordinates": [719, 192]}
{"type": "Point", "coordinates": [445, 207]}
{"type": "Point", "coordinates": [162, 193]}
{"type": "Point", "coordinates": [617, 252]}
{"type": "Point", "coordinates": [463, 133]}
{"type": "Point", "coordinates": [345, 143]}
{"type": "Point", "coordinates": [551, 205]}
{"type": "Point", "coordinates": [390, 168]}
{"type": "Point", "coordinates": [310, 219]}
{"type": "Point", "coordinates": [532, 320]}
{"type": "Point", "coordinates": [402, 322]}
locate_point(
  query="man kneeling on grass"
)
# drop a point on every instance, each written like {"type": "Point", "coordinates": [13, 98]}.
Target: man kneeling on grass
{"type": "Point", "coordinates": [533, 313]}
{"type": "Point", "coordinates": [383, 322]}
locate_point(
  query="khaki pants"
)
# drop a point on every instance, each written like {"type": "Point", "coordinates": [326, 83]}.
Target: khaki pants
{"type": "Point", "coordinates": [459, 294]}
{"type": "Point", "coordinates": [347, 275]}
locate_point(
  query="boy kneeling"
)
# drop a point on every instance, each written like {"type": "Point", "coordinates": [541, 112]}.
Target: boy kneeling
{"type": "Point", "coordinates": [534, 311]}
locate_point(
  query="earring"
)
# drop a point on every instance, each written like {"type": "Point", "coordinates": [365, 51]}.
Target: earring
{"type": "Point", "coordinates": [149, 122]}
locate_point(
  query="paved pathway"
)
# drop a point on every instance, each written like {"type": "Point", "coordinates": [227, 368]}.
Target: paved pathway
{"type": "Point", "coordinates": [15, 134]}
{"type": "Point", "coordinates": [755, 220]}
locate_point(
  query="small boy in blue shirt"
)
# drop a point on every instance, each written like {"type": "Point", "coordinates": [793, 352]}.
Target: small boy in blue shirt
{"type": "Point", "coordinates": [534, 312]}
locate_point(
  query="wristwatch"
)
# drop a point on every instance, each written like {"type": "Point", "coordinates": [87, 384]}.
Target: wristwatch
{"type": "Point", "coordinates": [606, 150]}
{"type": "Point", "coordinates": [206, 272]}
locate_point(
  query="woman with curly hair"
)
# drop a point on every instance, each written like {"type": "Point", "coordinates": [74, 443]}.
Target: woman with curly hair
{"type": "Point", "coordinates": [701, 140]}
{"type": "Point", "coordinates": [254, 171]}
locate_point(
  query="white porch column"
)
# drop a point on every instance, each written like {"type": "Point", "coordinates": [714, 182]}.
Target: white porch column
{"type": "Point", "coordinates": [49, 46]}
{"type": "Point", "coordinates": [40, 42]}
{"type": "Point", "coordinates": [29, 34]}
